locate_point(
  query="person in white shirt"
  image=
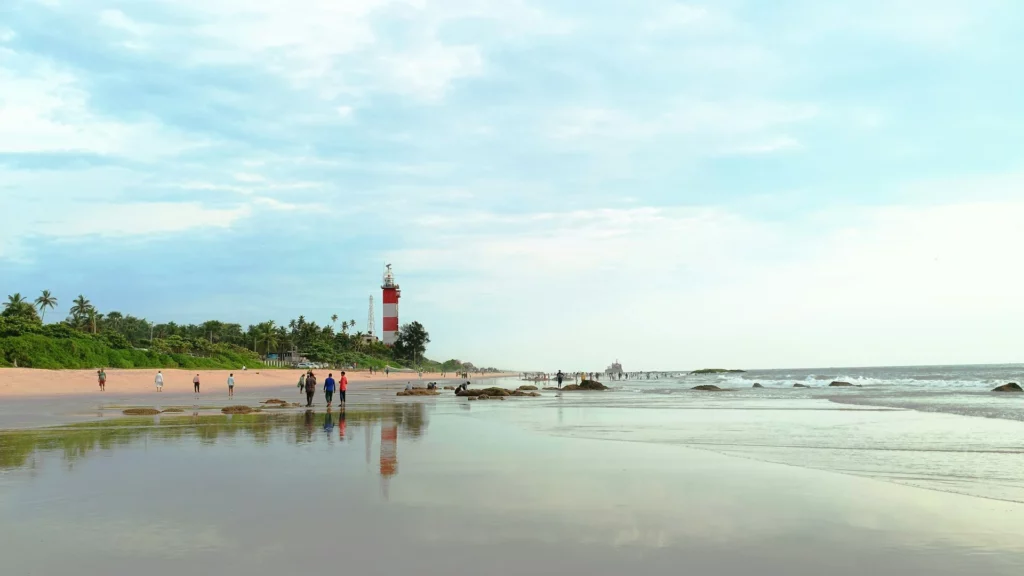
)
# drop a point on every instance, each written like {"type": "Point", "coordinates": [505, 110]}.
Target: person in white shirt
{"type": "Point", "coordinates": [231, 385]}
{"type": "Point", "coordinates": [159, 382]}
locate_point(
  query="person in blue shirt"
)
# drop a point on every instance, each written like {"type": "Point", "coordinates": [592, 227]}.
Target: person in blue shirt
{"type": "Point", "coordinates": [329, 384]}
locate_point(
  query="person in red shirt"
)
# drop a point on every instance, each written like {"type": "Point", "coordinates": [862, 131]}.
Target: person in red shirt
{"type": "Point", "coordinates": [342, 387]}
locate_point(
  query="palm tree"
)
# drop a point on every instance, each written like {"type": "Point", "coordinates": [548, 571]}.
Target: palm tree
{"type": "Point", "coordinates": [352, 324]}
{"type": "Point", "coordinates": [344, 327]}
{"type": "Point", "coordinates": [267, 333]}
{"type": "Point", "coordinates": [334, 320]}
{"type": "Point", "coordinates": [14, 301]}
{"type": "Point", "coordinates": [80, 311]}
{"type": "Point", "coordinates": [81, 306]}
{"type": "Point", "coordinates": [46, 300]}
{"type": "Point", "coordinates": [212, 329]}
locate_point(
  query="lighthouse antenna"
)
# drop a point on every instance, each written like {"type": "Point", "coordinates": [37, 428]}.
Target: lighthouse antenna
{"type": "Point", "coordinates": [370, 321]}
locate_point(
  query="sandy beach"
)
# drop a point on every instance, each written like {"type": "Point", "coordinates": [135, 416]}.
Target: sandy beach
{"type": "Point", "coordinates": [600, 483]}
{"type": "Point", "coordinates": [28, 382]}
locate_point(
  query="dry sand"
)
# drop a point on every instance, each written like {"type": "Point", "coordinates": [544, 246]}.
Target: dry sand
{"type": "Point", "coordinates": [26, 382]}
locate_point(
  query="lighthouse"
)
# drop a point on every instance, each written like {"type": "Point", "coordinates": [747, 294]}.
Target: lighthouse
{"type": "Point", "coordinates": [391, 295]}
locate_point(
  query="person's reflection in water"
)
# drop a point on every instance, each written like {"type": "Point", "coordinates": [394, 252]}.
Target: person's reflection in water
{"type": "Point", "coordinates": [308, 421]}
{"type": "Point", "coordinates": [328, 422]}
{"type": "Point", "coordinates": [341, 424]}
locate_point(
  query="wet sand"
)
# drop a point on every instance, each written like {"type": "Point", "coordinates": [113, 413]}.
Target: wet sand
{"type": "Point", "coordinates": [553, 485]}
{"type": "Point", "coordinates": [20, 382]}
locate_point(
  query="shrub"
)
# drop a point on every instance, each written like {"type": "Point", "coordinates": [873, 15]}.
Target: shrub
{"type": "Point", "coordinates": [87, 351]}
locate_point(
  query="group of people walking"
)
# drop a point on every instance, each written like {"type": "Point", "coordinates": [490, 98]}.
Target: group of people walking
{"type": "Point", "coordinates": [159, 381]}
{"type": "Point", "coordinates": [307, 384]}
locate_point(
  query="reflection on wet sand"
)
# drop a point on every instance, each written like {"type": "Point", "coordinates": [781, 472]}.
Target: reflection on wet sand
{"type": "Point", "coordinates": [270, 493]}
{"type": "Point", "coordinates": [21, 448]}
{"type": "Point", "coordinates": [388, 453]}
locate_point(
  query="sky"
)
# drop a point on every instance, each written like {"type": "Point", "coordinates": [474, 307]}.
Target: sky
{"type": "Point", "coordinates": [558, 184]}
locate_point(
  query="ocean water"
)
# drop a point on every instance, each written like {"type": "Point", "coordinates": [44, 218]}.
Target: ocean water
{"type": "Point", "coordinates": [934, 427]}
{"type": "Point", "coordinates": [961, 390]}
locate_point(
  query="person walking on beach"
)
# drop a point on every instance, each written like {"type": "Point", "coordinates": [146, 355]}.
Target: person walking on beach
{"type": "Point", "coordinates": [302, 381]}
{"type": "Point", "coordinates": [342, 388]}
{"type": "Point", "coordinates": [195, 384]}
{"type": "Point", "coordinates": [159, 381]}
{"type": "Point", "coordinates": [231, 385]}
{"type": "Point", "coordinates": [387, 371]}
{"type": "Point", "coordinates": [310, 388]}
{"type": "Point", "coordinates": [329, 389]}
{"type": "Point", "coordinates": [102, 377]}
{"type": "Point", "coordinates": [559, 377]}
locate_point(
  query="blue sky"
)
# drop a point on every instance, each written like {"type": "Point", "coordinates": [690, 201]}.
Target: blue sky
{"type": "Point", "coordinates": [557, 184]}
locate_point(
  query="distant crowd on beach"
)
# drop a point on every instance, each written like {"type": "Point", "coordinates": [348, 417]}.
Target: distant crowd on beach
{"type": "Point", "coordinates": [576, 377]}
{"type": "Point", "coordinates": [307, 382]}
{"type": "Point", "coordinates": [158, 381]}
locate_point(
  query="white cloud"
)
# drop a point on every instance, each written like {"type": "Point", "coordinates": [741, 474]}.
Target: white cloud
{"type": "Point", "coordinates": [278, 205]}
{"type": "Point", "coordinates": [6, 35]}
{"type": "Point", "coordinates": [722, 127]}
{"type": "Point", "coordinates": [678, 17]}
{"type": "Point", "coordinates": [137, 219]}
{"type": "Point", "coordinates": [429, 72]}
{"type": "Point", "coordinates": [215, 187]}
{"type": "Point", "coordinates": [247, 177]}
{"type": "Point", "coordinates": [67, 217]}
{"type": "Point", "coordinates": [768, 146]}
{"type": "Point", "coordinates": [696, 286]}
{"type": "Point", "coordinates": [333, 48]}
{"type": "Point", "coordinates": [117, 20]}
{"type": "Point", "coordinates": [250, 184]}
{"type": "Point", "coordinates": [46, 110]}
{"type": "Point", "coordinates": [933, 24]}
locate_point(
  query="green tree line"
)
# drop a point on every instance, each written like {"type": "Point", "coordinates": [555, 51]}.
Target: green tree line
{"type": "Point", "coordinates": [88, 337]}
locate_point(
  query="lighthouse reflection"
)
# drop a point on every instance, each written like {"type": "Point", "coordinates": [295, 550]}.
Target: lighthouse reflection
{"type": "Point", "coordinates": [325, 430]}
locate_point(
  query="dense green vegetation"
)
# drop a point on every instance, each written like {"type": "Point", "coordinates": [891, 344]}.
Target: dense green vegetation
{"type": "Point", "coordinates": [88, 338]}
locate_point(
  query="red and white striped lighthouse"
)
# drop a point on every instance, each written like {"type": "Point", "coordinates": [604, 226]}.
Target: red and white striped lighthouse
{"type": "Point", "coordinates": [391, 295]}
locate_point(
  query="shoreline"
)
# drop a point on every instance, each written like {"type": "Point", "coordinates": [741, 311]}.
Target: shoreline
{"type": "Point", "coordinates": [41, 383]}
